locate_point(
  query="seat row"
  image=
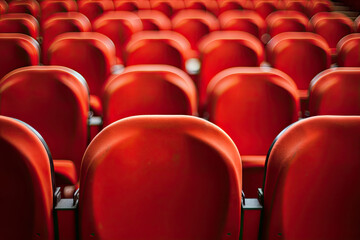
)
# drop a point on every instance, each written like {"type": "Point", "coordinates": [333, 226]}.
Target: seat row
{"type": "Point", "coordinates": [180, 177]}
{"type": "Point", "coordinates": [252, 105]}
{"type": "Point", "coordinates": [93, 9]}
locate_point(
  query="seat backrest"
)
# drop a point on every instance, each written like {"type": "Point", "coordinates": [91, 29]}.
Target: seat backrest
{"type": "Point", "coordinates": [297, 5]}
{"type": "Point", "coordinates": [60, 23]}
{"type": "Point", "coordinates": [154, 20]}
{"type": "Point", "coordinates": [245, 20]}
{"type": "Point", "coordinates": [3, 7]}
{"type": "Point", "coordinates": [335, 92]}
{"type": "Point", "coordinates": [31, 7]}
{"type": "Point", "coordinates": [27, 176]}
{"type": "Point", "coordinates": [226, 5]}
{"type": "Point", "coordinates": [49, 7]}
{"type": "Point", "coordinates": [348, 51]}
{"type": "Point", "coordinates": [55, 101]}
{"type": "Point", "coordinates": [158, 47]}
{"type": "Point", "coordinates": [312, 167]}
{"type": "Point", "coordinates": [311, 51]}
{"type": "Point", "coordinates": [148, 89]}
{"type": "Point", "coordinates": [194, 24]}
{"type": "Point", "coordinates": [131, 5]}
{"type": "Point", "coordinates": [177, 177]}
{"type": "Point", "coordinates": [286, 21]}
{"type": "Point", "coordinates": [119, 27]}
{"type": "Point", "coordinates": [89, 53]}
{"type": "Point", "coordinates": [209, 6]}
{"type": "Point", "coordinates": [93, 9]}
{"type": "Point", "coordinates": [315, 7]}
{"type": "Point", "coordinates": [264, 8]}
{"type": "Point", "coordinates": [17, 50]}
{"type": "Point", "coordinates": [332, 26]}
{"type": "Point", "coordinates": [357, 24]}
{"type": "Point", "coordinates": [224, 49]}
{"type": "Point", "coordinates": [253, 105]}
{"type": "Point", "coordinates": [19, 23]}
{"type": "Point", "coordinates": [168, 7]}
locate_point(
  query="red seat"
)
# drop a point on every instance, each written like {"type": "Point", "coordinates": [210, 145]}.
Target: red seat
{"type": "Point", "coordinates": [253, 105]}
{"type": "Point", "coordinates": [174, 177]}
{"type": "Point", "coordinates": [168, 7]}
{"type": "Point", "coordinates": [89, 53]}
{"type": "Point", "coordinates": [311, 51]}
{"type": "Point", "coordinates": [313, 166]}
{"type": "Point", "coordinates": [286, 21]}
{"type": "Point", "coordinates": [315, 7]}
{"type": "Point", "coordinates": [19, 23]}
{"type": "Point", "coordinates": [264, 8]}
{"type": "Point", "coordinates": [131, 5]}
{"type": "Point", "coordinates": [3, 7]}
{"type": "Point", "coordinates": [55, 101]}
{"type": "Point", "coordinates": [224, 49]}
{"type": "Point", "coordinates": [158, 47]}
{"type": "Point", "coordinates": [348, 51]}
{"type": "Point", "coordinates": [357, 24]}
{"type": "Point", "coordinates": [335, 92]}
{"type": "Point", "coordinates": [194, 24]}
{"type": "Point", "coordinates": [299, 6]}
{"type": "Point", "coordinates": [31, 7]}
{"type": "Point", "coordinates": [26, 174]}
{"type": "Point", "coordinates": [245, 20]}
{"type": "Point", "coordinates": [17, 50]}
{"type": "Point", "coordinates": [93, 9]}
{"type": "Point", "coordinates": [209, 6]}
{"type": "Point", "coordinates": [226, 5]}
{"type": "Point", "coordinates": [154, 20]}
{"type": "Point", "coordinates": [49, 7]}
{"type": "Point", "coordinates": [119, 27]}
{"type": "Point", "coordinates": [332, 27]}
{"type": "Point", "coordinates": [60, 23]}
{"type": "Point", "coordinates": [148, 89]}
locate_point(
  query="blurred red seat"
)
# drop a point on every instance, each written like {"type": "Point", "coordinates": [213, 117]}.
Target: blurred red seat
{"type": "Point", "coordinates": [31, 7]}
{"type": "Point", "coordinates": [93, 9]}
{"type": "Point", "coordinates": [348, 51]}
{"type": "Point", "coordinates": [131, 5]}
{"type": "Point", "coordinates": [49, 7]}
{"type": "Point", "coordinates": [154, 20]}
{"type": "Point", "coordinates": [19, 23]}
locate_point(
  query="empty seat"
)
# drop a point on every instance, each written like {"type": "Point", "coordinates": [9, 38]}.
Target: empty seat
{"type": "Point", "coordinates": [55, 101]}
{"type": "Point", "coordinates": [253, 105]}
{"type": "Point", "coordinates": [60, 23]}
{"type": "Point", "coordinates": [264, 8]}
{"type": "Point", "coordinates": [19, 23]}
{"type": "Point", "coordinates": [286, 21]}
{"type": "Point", "coordinates": [311, 166]}
{"type": "Point", "coordinates": [93, 9]}
{"type": "Point", "coordinates": [3, 7]}
{"type": "Point", "coordinates": [300, 55]}
{"type": "Point", "coordinates": [168, 7]}
{"type": "Point", "coordinates": [119, 27]}
{"type": "Point", "coordinates": [335, 92]}
{"type": "Point", "coordinates": [299, 6]}
{"type": "Point", "coordinates": [175, 177]}
{"type": "Point", "coordinates": [17, 50]}
{"type": "Point", "coordinates": [131, 5]}
{"type": "Point", "coordinates": [31, 7]}
{"type": "Point", "coordinates": [154, 20]}
{"type": "Point", "coordinates": [245, 20]}
{"type": "Point", "coordinates": [26, 175]}
{"type": "Point", "coordinates": [158, 47]}
{"type": "Point", "coordinates": [209, 6]}
{"type": "Point", "coordinates": [332, 27]}
{"type": "Point", "coordinates": [224, 49]}
{"type": "Point", "coordinates": [315, 7]}
{"type": "Point", "coordinates": [89, 53]}
{"type": "Point", "coordinates": [49, 7]}
{"type": "Point", "coordinates": [148, 89]}
{"type": "Point", "coordinates": [226, 5]}
{"type": "Point", "coordinates": [194, 24]}
{"type": "Point", "coordinates": [348, 51]}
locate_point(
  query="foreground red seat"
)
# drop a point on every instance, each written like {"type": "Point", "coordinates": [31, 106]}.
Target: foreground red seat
{"type": "Point", "coordinates": [224, 49]}
{"type": "Point", "coordinates": [17, 50]}
{"type": "Point", "coordinates": [19, 23]}
{"type": "Point", "coordinates": [178, 177]}
{"type": "Point", "coordinates": [148, 89]}
{"type": "Point", "coordinates": [253, 105]}
{"type": "Point", "coordinates": [55, 101]}
{"type": "Point", "coordinates": [348, 51]}
{"type": "Point", "coordinates": [27, 176]}
{"type": "Point", "coordinates": [317, 158]}
{"type": "Point", "coordinates": [335, 92]}
{"type": "Point", "coordinates": [89, 53]}
{"type": "Point", "coordinates": [60, 23]}
{"type": "Point", "coordinates": [194, 24]}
